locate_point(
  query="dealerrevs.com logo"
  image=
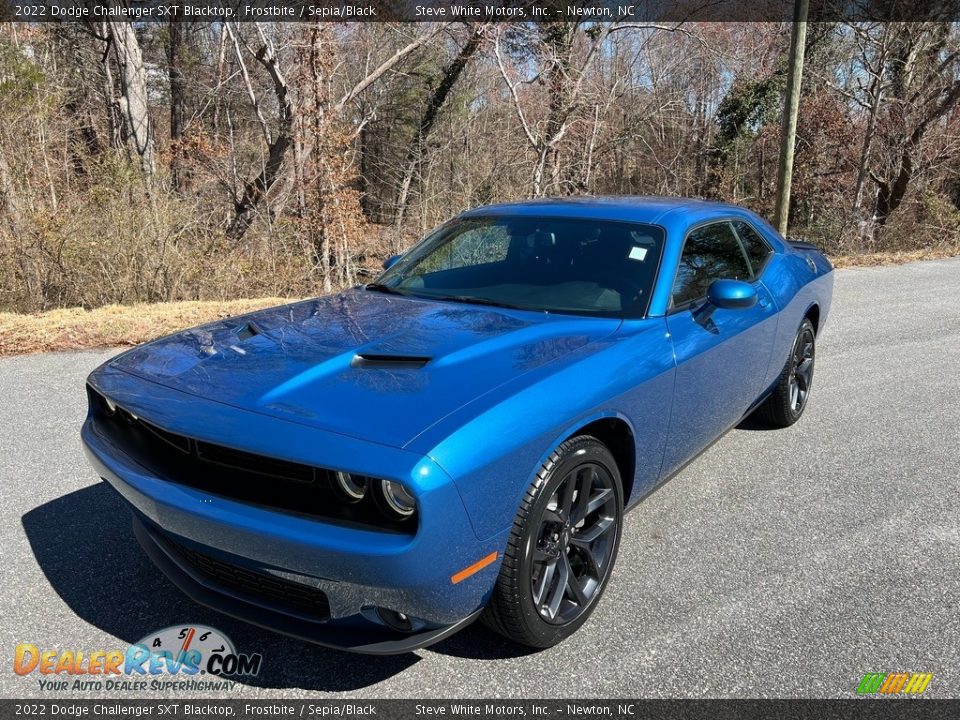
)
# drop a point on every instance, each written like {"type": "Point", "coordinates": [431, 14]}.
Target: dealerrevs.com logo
{"type": "Point", "coordinates": [174, 658]}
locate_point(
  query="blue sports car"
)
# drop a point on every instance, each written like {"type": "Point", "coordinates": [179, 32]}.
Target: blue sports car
{"type": "Point", "coordinates": [375, 469]}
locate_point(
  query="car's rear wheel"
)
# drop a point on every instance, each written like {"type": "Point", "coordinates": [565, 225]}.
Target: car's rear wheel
{"type": "Point", "coordinates": [789, 399]}
{"type": "Point", "coordinates": [562, 547]}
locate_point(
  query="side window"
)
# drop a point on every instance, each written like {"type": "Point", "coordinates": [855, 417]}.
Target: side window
{"type": "Point", "coordinates": [756, 248]}
{"type": "Point", "coordinates": [710, 253]}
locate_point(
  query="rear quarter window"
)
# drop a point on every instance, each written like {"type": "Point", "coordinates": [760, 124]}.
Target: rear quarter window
{"type": "Point", "coordinates": [756, 248]}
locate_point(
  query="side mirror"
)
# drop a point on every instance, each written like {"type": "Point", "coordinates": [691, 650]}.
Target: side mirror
{"type": "Point", "coordinates": [390, 261]}
{"type": "Point", "coordinates": [731, 294]}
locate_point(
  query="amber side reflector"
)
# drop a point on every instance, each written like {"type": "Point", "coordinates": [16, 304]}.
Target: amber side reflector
{"type": "Point", "coordinates": [476, 567]}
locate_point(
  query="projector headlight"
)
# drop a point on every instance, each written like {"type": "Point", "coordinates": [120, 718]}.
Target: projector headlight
{"type": "Point", "coordinates": [396, 500]}
{"type": "Point", "coordinates": [351, 487]}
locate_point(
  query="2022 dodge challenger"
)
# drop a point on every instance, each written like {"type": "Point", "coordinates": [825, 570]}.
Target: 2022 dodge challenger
{"type": "Point", "coordinates": [375, 469]}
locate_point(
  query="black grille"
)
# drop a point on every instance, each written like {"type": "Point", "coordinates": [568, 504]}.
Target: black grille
{"type": "Point", "coordinates": [237, 459]}
{"type": "Point", "coordinates": [248, 477]}
{"type": "Point", "coordinates": [278, 592]}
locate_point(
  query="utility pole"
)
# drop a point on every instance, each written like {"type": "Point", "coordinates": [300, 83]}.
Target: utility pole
{"type": "Point", "coordinates": [798, 40]}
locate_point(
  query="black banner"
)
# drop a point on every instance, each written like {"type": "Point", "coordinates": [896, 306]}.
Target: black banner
{"type": "Point", "coordinates": [609, 11]}
{"type": "Point", "coordinates": [180, 709]}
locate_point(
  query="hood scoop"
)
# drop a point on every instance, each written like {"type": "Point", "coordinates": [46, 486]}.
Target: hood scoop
{"type": "Point", "coordinates": [247, 331]}
{"type": "Point", "coordinates": [390, 362]}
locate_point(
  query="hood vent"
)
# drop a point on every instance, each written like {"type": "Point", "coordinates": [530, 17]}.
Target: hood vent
{"type": "Point", "coordinates": [247, 331]}
{"type": "Point", "coordinates": [375, 360]}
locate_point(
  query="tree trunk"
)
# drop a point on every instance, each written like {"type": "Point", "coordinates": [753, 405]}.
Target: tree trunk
{"type": "Point", "coordinates": [257, 187]}
{"type": "Point", "coordinates": [9, 204]}
{"type": "Point", "coordinates": [417, 154]}
{"type": "Point", "coordinates": [877, 87]}
{"type": "Point", "coordinates": [179, 176]}
{"type": "Point", "coordinates": [890, 192]}
{"type": "Point", "coordinates": [108, 88]}
{"type": "Point", "coordinates": [133, 84]}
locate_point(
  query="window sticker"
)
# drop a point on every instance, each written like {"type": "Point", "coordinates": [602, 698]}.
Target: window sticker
{"type": "Point", "coordinates": [637, 253]}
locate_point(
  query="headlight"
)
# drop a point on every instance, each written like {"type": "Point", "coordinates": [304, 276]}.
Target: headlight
{"type": "Point", "coordinates": [351, 487]}
{"type": "Point", "coordinates": [396, 499]}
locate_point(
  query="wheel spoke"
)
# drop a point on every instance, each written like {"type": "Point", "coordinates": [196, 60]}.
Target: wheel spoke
{"type": "Point", "coordinates": [552, 516]}
{"type": "Point", "coordinates": [586, 480]}
{"type": "Point", "coordinates": [804, 371]}
{"type": "Point", "coordinates": [592, 561]}
{"type": "Point", "coordinates": [588, 536]}
{"type": "Point", "coordinates": [546, 576]}
{"type": "Point", "coordinates": [576, 591]}
{"type": "Point", "coordinates": [598, 501]}
{"type": "Point", "coordinates": [558, 586]}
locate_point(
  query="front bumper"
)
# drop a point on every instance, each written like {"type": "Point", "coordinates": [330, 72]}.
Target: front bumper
{"type": "Point", "coordinates": [357, 569]}
{"type": "Point", "coordinates": [356, 634]}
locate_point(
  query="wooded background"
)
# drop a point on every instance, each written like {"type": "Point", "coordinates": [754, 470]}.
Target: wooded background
{"type": "Point", "coordinates": [207, 160]}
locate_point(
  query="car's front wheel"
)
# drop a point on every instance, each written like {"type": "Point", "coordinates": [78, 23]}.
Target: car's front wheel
{"type": "Point", "coordinates": [562, 546]}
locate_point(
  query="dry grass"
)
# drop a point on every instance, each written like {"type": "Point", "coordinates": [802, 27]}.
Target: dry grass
{"type": "Point", "coordinates": [111, 325]}
{"type": "Point", "coordinates": [891, 258]}
{"type": "Point", "coordinates": [118, 325]}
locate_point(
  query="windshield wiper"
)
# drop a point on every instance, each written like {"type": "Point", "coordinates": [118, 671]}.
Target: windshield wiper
{"type": "Point", "coordinates": [471, 300]}
{"type": "Point", "coordinates": [380, 287]}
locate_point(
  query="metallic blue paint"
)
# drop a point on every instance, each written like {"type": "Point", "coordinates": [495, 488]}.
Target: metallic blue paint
{"type": "Point", "coordinates": [732, 294]}
{"type": "Point", "coordinates": [465, 433]}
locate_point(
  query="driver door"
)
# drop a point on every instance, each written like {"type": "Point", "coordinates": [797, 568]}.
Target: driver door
{"type": "Point", "coordinates": [722, 360]}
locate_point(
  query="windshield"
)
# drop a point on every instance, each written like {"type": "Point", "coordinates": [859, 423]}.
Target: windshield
{"type": "Point", "coordinates": [553, 264]}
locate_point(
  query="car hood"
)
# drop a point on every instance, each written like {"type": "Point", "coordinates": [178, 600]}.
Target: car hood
{"type": "Point", "coordinates": [364, 364]}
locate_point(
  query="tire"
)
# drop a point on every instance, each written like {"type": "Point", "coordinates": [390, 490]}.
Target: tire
{"type": "Point", "coordinates": [537, 606]}
{"type": "Point", "coordinates": [789, 398]}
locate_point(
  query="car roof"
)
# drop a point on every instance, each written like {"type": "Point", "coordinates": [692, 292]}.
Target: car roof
{"type": "Point", "coordinates": [633, 208]}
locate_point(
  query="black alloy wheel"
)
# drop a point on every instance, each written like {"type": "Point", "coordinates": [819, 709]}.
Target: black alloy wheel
{"type": "Point", "coordinates": [562, 547]}
{"type": "Point", "coordinates": [802, 374]}
{"type": "Point", "coordinates": [573, 546]}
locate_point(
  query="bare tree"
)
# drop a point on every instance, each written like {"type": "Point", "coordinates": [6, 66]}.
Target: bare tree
{"type": "Point", "coordinates": [255, 189]}
{"type": "Point", "coordinates": [924, 88]}
{"type": "Point", "coordinates": [554, 47]}
{"type": "Point", "coordinates": [277, 145]}
{"type": "Point", "coordinates": [417, 154]}
{"type": "Point", "coordinates": [177, 46]}
{"type": "Point", "coordinates": [133, 84]}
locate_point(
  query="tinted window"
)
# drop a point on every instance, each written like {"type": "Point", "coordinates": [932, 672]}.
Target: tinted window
{"type": "Point", "coordinates": [710, 253]}
{"type": "Point", "coordinates": [552, 263]}
{"type": "Point", "coordinates": [475, 246]}
{"type": "Point", "coordinates": [757, 250]}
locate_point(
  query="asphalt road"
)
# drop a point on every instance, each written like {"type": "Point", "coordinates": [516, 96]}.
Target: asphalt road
{"type": "Point", "coordinates": [780, 564]}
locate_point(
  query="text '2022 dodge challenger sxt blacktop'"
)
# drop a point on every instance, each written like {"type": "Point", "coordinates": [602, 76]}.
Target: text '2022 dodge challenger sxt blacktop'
{"type": "Point", "coordinates": [373, 470]}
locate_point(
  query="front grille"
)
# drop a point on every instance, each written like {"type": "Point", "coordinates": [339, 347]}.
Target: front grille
{"type": "Point", "coordinates": [238, 459]}
{"type": "Point", "coordinates": [260, 480]}
{"type": "Point", "coordinates": [277, 592]}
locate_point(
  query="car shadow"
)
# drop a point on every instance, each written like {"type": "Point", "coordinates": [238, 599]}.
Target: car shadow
{"type": "Point", "coordinates": [85, 546]}
{"type": "Point", "coordinates": [752, 422]}
{"type": "Point", "coordinates": [478, 642]}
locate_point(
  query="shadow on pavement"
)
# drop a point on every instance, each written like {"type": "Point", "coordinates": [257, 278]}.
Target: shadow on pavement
{"type": "Point", "coordinates": [85, 546]}
{"type": "Point", "coordinates": [752, 422]}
